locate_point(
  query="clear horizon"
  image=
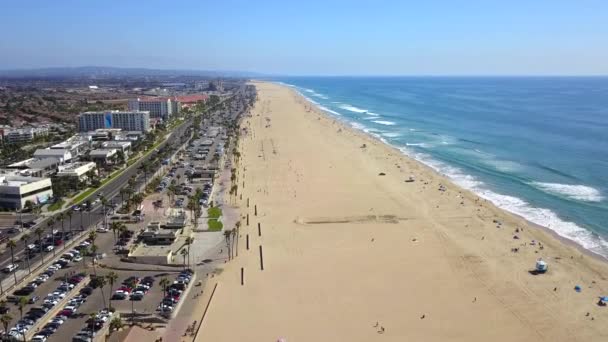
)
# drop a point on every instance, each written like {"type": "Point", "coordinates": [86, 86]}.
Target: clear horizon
{"type": "Point", "coordinates": [313, 38]}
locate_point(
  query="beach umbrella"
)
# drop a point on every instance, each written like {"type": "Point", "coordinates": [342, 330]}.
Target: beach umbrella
{"type": "Point", "coordinates": [577, 288]}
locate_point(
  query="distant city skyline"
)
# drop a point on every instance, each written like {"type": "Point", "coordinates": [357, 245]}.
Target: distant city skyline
{"type": "Point", "coordinates": [434, 37]}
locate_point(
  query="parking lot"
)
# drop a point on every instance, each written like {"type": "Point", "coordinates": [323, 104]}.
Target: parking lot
{"type": "Point", "coordinates": [59, 311]}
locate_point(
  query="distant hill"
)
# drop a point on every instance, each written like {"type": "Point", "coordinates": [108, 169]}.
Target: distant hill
{"type": "Point", "coordinates": [106, 72]}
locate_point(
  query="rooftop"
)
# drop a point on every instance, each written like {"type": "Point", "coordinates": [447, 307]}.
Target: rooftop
{"type": "Point", "coordinates": [18, 180]}
{"type": "Point", "coordinates": [103, 152]}
{"type": "Point", "coordinates": [51, 152]}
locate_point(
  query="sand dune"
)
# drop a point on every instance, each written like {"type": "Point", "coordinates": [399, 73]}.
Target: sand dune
{"type": "Point", "coordinates": [345, 248]}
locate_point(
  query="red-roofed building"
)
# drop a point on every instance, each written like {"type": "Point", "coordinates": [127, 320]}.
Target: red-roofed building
{"type": "Point", "coordinates": [187, 101]}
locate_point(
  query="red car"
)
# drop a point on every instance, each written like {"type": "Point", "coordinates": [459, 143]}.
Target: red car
{"type": "Point", "coordinates": [124, 289]}
{"type": "Point", "coordinates": [66, 313]}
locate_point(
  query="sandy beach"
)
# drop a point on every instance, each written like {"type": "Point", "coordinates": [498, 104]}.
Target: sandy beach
{"type": "Point", "coordinates": [353, 252]}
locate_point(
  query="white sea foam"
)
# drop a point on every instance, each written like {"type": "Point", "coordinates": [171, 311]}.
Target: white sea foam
{"type": "Point", "coordinates": [383, 122]}
{"type": "Point", "coordinates": [308, 90]}
{"type": "Point", "coordinates": [372, 114]}
{"type": "Point", "coordinates": [329, 110]}
{"type": "Point", "coordinates": [391, 134]}
{"type": "Point", "coordinates": [541, 216]}
{"type": "Point", "coordinates": [352, 108]}
{"type": "Point", "coordinates": [359, 126]}
{"type": "Point", "coordinates": [576, 192]}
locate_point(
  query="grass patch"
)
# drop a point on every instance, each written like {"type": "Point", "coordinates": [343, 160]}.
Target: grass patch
{"type": "Point", "coordinates": [214, 225]}
{"type": "Point", "coordinates": [57, 205]}
{"type": "Point", "coordinates": [214, 212]}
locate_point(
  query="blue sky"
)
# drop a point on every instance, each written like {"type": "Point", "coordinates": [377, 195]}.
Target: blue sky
{"type": "Point", "coordinates": [313, 37]}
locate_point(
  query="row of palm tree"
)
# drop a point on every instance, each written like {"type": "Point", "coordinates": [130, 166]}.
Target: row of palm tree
{"type": "Point", "coordinates": [231, 237]}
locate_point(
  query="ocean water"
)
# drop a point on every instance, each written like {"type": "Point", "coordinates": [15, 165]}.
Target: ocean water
{"type": "Point", "coordinates": [537, 147]}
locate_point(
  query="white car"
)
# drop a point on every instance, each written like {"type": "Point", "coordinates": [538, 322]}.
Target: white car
{"type": "Point", "coordinates": [38, 338]}
{"type": "Point", "coordinates": [58, 320]}
{"type": "Point", "coordinates": [50, 301]}
{"type": "Point", "coordinates": [10, 268]}
{"type": "Point", "coordinates": [49, 248]}
{"type": "Point", "coordinates": [77, 258]}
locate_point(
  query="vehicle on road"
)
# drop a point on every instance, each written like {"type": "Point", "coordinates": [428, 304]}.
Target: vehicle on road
{"type": "Point", "coordinates": [10, 268]}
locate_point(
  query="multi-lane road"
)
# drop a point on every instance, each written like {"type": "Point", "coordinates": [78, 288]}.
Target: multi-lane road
{"type": "Point", "coordinates": [88, 219]}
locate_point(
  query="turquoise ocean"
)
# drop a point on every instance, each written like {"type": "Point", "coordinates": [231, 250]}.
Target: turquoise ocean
{"type": "Point", "coordinates": [537, 147]}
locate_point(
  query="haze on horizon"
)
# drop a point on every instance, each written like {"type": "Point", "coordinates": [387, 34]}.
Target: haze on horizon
{"type": "Point", "coordinates": [471, 37]}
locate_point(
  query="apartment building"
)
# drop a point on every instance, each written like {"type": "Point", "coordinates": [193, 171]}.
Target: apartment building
{"type": "Point", "coordinates": [159, 107]}
{"type": "Point", "coordinates": [128, 121]}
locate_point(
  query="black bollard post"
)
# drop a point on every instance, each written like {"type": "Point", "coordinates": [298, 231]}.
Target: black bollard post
{"type": "Point", "coordinates": [261, 259]}
{"type": "Point", "coordinates": [255, 210]}
{"type": "Point", "coordinates": [242, 276]}
{"type": "Point", "coordinates": [247, 202]}
{"type": "Point", "coordinates": [259, 229]}
{"type": "Point", "coordinates": [247, 219]}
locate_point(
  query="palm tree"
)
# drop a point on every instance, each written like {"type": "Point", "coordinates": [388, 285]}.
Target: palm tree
{"type": "Point", "coordinates": [164, 282]}
{"type": "Point", "coordinates": [123, 192]}
{"type": "Point", "coordinates": [237, 227]}
{"type": "Point", "coordinates": [102, 282]}
{"type": "Point", "coordinates": [132, 283]}
{"type": "Point", "coordinates": [192, 203]}
{"type": "Point", "coordinates": [137, 199]}
{"type": "Point", "coordinates": [114, 226]}
{"type": "Point", "coordinates": [227, 237]}
{"type": "Point", "coordinates": [116, 323]}
{"type": "Point", "coordinates": [50, 224]}
{"type": "Point", "coordinates": [84, 251]}
{"type": "Point", "coordinates": [184, 253]}
{"type": "Point", "coordinates": [12, 244]}
{"type": "Point", "coordinates": [172, 191]}
{"type": "Point", "coordinates": [69, 213]}
{"type": "Point", "coordinates": [61, 217]}
{"type": "Point", "coordinates": [112, 277]}
{"type": "Point", "coordinates": [6, 319]}
{"type": "Point", "coordinates": [21, 304]}
{"type": "Point", "coordinates": [104, 204]}
{"type": "Point", "coordinates": [25, 238]}
{"type": "Point", "coordinates": [189, 241]}
{"type": "Point", "coordinates": [39, 231]}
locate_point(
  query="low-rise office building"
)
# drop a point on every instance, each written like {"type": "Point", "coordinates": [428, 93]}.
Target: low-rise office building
{"type": "Point", "coordinates": [16, 190]}
{"type": "Point", "coordinates": [76, 147]}
{"type": "Point", "coordinates": [124, 146]}
{"type": "Point", "coordinates": [76, 170]}
{"type": "Point", "coordinates": [36, 167]}
{"type": "Point", "coordinates": [24, 135]}
{"type": "Point", "coordinates": [60, 154]}
{"type": "Point", "coordinates": [103, 156]}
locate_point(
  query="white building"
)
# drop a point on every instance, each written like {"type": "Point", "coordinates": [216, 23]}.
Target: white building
{"type": "Point", "coordinates": [16, 190]}
{"type": "Point", "coordinates": [159, 107]}
{"type": "Point", "coordinates": [78, 170]}
{"type": "Point", "coordinates": [76, 147]}
{"type": "Point", "coordinates": [103, 156]}
{"type": "Point", "coordinates": [124, 146]}
{"type": "Point", "coordinates": [24, 135]}
{"type": "Point", "coordinates": [59, 154]}
{"type": "Point", "coordinates": [128, 121]}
